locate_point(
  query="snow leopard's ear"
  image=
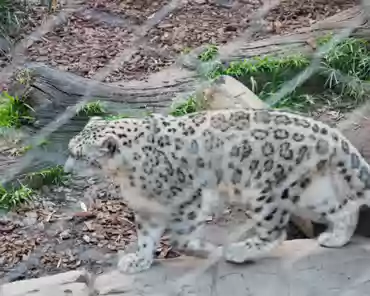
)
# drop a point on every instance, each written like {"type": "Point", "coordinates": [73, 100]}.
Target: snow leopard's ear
{"type": "Point", "coordinates": [111, 146]}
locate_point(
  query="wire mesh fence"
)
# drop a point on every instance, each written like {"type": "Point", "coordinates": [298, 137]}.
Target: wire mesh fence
{"type": "Point", "coordinates": [255, 25]}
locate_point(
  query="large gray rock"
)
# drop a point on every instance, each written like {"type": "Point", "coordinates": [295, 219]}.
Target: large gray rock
{"type": "Point", "coordinates": [227, 92]}
{"type": "Point", "coordinates": [4, 46]}
{"type": "Point", "coordinates": [73, 283]}
{"type": "Point", "coordinates": [299, 268]}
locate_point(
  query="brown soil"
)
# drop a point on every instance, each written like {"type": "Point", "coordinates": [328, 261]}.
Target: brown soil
{"type": "Point", "coordinates": [144, 62]}
{"type": "Point", "coordinates": [135, 10]}
{"type": "Point", "coordinates": [85, 45]}
{"type": "Point", "coordinates": [58, 234]}
{"type": "Point", "coordinates": [202, 22]}
{"type": "Point", "coordinates": [294, 14]}
{"type": "Point", "coordinates": [82, 46]}
{"type": "Point", "coordinates": [33, 17]}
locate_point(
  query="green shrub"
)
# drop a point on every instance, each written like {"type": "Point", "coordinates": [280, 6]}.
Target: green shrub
{"type": "Point", "coordinates": [10, 198]}
{"type": "Point", "coordinates": [14, 112]}
{"type": "Point", "coordinates": [48, 176]}
{"type": "Point", "coordinates": [342, 77]}
{"type": "Point", "coordinates": [189, 106]}
{"type": "Point", "coordinates": [208, 54]}
{"type": "Point", "coordinates": [95, 108]}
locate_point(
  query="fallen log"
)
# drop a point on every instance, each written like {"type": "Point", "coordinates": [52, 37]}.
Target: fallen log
{"type": "Point", "coordinates": [58, 90]}
{"type": "Point", "coordinates": [302, 41]}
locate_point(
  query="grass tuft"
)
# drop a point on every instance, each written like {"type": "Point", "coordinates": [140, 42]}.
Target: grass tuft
{"type": "Point", "coordinates": [24, 76]}
{"type": "Point", "coordinates": [341, 81]}
{"type": "Point", "coordinates": [49, 176]}
{"type": "Point", "coordinates": [116, 117]}
{"type": "Point", "coordinates": [208, 54]}
{"type": "Point", "coordinates": [14, 112]}
{"type": "Point", "coordinates": [11, 15]}
{"type": "Point", "coordinates": [15, 196]}
{"type": "Point", "coordinates": [95, 108]}
{"type": "Point", "coordinates": [11, 198]}
{"type": "Point", "coordinates": [189, 106]}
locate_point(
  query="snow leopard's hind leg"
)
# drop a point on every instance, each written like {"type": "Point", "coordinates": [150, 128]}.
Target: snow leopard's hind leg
{"type": "Point", "coordinates": [268, 232]}
{"type": "Point", "coordinates": [342, 225]}
{"type": "Point", "coordinates": [335, 203]}
{"type": "Point", "coordinates": [340, 209]}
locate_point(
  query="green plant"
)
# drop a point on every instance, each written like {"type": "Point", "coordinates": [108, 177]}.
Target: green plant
{"type": "Point", "coordinates": [321, 40]}
{"type": "Point", "coordinates": [12, 16]}
{"type": "Point", "coordinates": [346, 70]}
{"type": "Point", "coordinates": [115, 117]}
{"type": "Point", "coordinates": [91, 109]}
{"type": "Point", "coordinates": [208, 54]}
{"type": "Point", "coordinates": [14, 111]}
{"type": "Point", "coordinates": [48, 176]}
{"type": "Point", "coordinates": [43, 143]}
{"type": "Point", "coordinates": [22, 150]}
{"type": "Point", "coordinates": [24, 76]}
{"type": "Point", "coordinates": [343, 76]}
{"type": "Point", "coordinates": [126, 115]}
{"type": "Point", "coordinates": [10, 198]}
{"type": "Point", "coordinates": [351, 57]}
{"type": "Point", "coordinates": [189, 106]}
{"type": "Point", "coordinates": [271, 65]}
{"type": "Point", "coordinates": [9, 16]}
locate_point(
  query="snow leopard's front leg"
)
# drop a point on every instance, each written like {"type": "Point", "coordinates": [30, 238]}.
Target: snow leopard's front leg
{"type": "Point", "coordinates": [186, 236]}
{"type": "Point", "coordinates": [150, 228]}
{"type": "Point", "coordinates": [187, 223]}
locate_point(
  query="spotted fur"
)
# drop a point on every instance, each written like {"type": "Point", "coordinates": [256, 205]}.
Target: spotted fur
{"type": "Point", "coordinates": [173, 170]}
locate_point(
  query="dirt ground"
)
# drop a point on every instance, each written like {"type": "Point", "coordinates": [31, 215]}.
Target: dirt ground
{"type": "Point", "coordinates": [95, 35]}
{"type": "Point", "coordinates": [63, 230]}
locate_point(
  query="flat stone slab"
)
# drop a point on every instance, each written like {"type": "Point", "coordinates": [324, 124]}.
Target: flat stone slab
{"type": "Point", "coordinates": [73, 283]}
{"type": "Point", "coordinates": [298, 267]}
{"type": "Point", "coordinates": [227, 92]}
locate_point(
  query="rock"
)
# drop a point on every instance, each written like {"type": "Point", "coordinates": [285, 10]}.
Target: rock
{"type": "Point", "coordinates": [190, 60]}
{"type": "Point", "coordinates": [31, 218]}
{"type": "Point", "coordinates": [73, 283]}
{"type": "Point", "coordinates": [86, 238]}
{"type": "Point", "coordinates": [65, 234]}
{"type": "Point", "coordinates": [74, 289]}
{"type": "Point", "coordinates": [224, 3]}
{"type": "Point", "coordinates": [227, 92]}
{"type": "Point", "coordinates": [5, 46]}
{"type": "Point", "coordinates": [298, 267]}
